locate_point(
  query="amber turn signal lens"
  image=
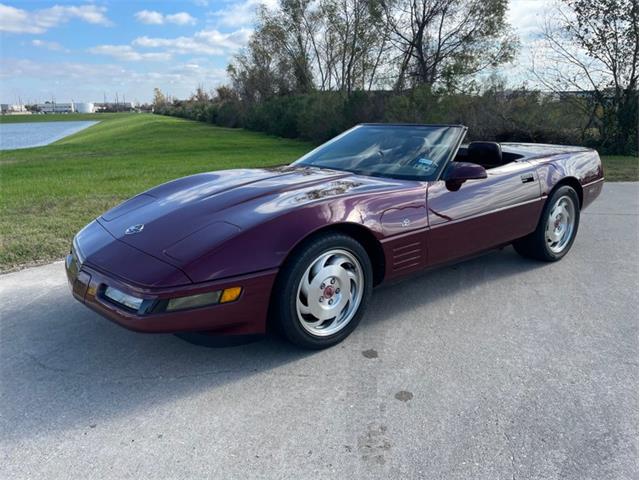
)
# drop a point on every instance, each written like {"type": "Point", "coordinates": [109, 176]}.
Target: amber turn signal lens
{"type": "Point", "coordinates": [230, 294]}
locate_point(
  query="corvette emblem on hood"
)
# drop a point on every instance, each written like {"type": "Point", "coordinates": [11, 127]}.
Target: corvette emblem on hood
{"type": "Point", "coordinates": [134, 229]}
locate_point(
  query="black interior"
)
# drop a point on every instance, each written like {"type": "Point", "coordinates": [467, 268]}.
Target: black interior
{"type": "Point", "coordinates": [487, 154]}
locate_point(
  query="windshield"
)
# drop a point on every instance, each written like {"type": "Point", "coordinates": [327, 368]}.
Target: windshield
{"type": "Point", "coordinates": [412, 152]}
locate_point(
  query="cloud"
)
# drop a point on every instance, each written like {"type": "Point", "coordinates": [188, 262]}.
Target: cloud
{"type": "Point", "coordinates": [53, 46]}
{"type": "Point", "coordinates": [151, 17]}
{"type": "Point", "coordinates": [241, 14]}
{"type": "Point", "coordinates": [128, 54]}
{"type": "Point", "coordinates": [180, 18]}
{"type": "Point", "coordinates": [16, 20]}
{"type": "Point", "coordinates": [527, 16]}
{"type": "Point", "coordinates": [21, 68]}
{"type": "Point", "coordinates": [208, 42]}
{"type": "Point", "coordinates": [188, 72]}
{"type": "Point", "coordinates": [88, 81]}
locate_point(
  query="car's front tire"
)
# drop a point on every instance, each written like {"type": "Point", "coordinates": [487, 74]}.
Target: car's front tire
{"type": "Point", "coordinates": [323, 290]}
{"type": "Point", "coordinates": [556, 230]}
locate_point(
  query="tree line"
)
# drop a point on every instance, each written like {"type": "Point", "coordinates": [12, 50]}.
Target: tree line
{"type": "Point", "coordinates": [315, 67]}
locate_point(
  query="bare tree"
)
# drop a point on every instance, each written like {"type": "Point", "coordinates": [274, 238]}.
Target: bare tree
{"type": "Point", "coordinates": [350, 45]}
{"type": "Point", "coordinates": [263, 69]}
{"type": "Point", "coordinates": [589, 53]}
{"type": "Point", "coordinates": [159, 98]}
{"type": "Point", "coordinates": [288, 30]}
{"type": "Point", "coordinates": [277, 59]}
{"type": "Point", "coordinates": [447, 40]}
{"type": "Point", "coordinates": [324, 44]}
{"type": "Point", "coordinates": [357, 38]}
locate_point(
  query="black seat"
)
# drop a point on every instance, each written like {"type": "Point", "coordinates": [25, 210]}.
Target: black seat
{"type": "Point", "coordinates": [487, 154]}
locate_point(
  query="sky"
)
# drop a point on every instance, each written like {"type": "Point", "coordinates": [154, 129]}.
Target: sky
{"type": "Point", "coordinates": [85, 51]}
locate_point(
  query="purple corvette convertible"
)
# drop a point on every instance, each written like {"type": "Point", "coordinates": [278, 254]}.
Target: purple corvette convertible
{"type": "Point", "coordinates": [302, 246]}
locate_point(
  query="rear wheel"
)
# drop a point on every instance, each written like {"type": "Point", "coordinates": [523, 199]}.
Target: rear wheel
{"type": "Point", "coordinates": [556, 229]}
{"type": "Point", "coordinates": [323, 290]}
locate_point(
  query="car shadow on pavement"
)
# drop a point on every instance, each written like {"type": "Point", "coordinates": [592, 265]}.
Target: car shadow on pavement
{"type": "Point", "coordinates": [64, 367]}
{"type": "Point", "coordinates": [448, 282]}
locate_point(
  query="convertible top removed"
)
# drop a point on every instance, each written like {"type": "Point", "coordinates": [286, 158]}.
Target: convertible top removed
{"type": "Point", "coordinates": [303, 245]}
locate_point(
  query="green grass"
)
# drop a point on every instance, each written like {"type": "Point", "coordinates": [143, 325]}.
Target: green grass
{"type": "Point", "coordinates": [48, 193]}
{"type": "Point", "coordinates": [59, 118]}
{"type": "Point", "coordinates": [618, 168]}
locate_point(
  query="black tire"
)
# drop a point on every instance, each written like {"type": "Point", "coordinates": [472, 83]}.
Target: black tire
{"type": "Point", "coordinates": [536, 245]}
{"type": "Point", "coordinates": [284, 310]}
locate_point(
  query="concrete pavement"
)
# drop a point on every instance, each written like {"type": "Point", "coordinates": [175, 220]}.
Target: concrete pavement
{"type": "Point", "coordinates": [497, 368]}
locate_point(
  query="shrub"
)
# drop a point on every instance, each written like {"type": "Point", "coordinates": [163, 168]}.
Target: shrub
{"type": "Point", "coordinates": [517, 116]}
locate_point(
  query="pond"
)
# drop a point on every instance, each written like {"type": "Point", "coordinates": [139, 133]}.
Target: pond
{"type": "Point", "coordinates": [37, 134]}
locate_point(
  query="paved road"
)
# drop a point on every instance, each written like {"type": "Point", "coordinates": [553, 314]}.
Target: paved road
{"type": "Point", "coordinates": [498, 368]}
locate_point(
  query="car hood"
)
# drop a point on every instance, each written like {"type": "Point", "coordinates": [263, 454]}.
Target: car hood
{"type": "Point", "coordinates": [219, 205]}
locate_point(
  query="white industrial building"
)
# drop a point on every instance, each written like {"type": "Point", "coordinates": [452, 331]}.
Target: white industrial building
{"type": "Point", "coordinates": [55, 107]}
{"type": "Point", "coordinates": [68, 107]}
{"type": "Point", "coordinates": [7, 108]}
{"type": "Point", "coordinates": [85, 107]}
{"type": "Point", "coordinates": [115, 106]}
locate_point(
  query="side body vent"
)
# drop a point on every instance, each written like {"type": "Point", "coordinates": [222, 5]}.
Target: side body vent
{"type": "Point", "coordinates": [405, 254]}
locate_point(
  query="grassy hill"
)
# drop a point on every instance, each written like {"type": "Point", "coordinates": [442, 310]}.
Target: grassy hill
{"type": "Point", "coordinates": [49, 193]}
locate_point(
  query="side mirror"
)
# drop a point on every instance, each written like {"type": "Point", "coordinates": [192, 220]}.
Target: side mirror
{"type": "Point", "coordinates": [459, 172]}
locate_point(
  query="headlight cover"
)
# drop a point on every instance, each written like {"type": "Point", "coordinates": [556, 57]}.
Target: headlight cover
{"type": "Point", "coordinates": [122, 298]}
{"type": "Point", "coordinates": [193, 301]}
{"type": "Point", "coordinates": [148, 306]}
{"type": "Point", "coordinates": [227, 295]}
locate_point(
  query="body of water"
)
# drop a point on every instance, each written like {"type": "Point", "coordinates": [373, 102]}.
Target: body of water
{"type": "Point", "coordinates": [37, 134]}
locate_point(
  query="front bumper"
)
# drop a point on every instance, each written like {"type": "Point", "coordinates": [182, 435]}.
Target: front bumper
{"type": "Point", "coordinates": [245, 316]}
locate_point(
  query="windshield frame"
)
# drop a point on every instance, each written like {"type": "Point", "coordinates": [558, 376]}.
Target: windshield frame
{"type": "Point", "coordinates": [462, 130]}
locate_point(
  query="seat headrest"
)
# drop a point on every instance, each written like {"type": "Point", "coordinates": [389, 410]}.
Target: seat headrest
{"type": "Point", "coordinates": [485, 153]}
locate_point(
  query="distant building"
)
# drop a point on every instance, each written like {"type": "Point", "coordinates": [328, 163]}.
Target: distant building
{"type": "Point", "coordinates": [69, 107]}
{"type": "Point", "coordinates": [115, 106]}
{"type": "Point", "coordinates": [85, 107]}
{"type": "Point", "coordinates": [54, 107]}
{"type": "Point", "coordinates": [9, 109]}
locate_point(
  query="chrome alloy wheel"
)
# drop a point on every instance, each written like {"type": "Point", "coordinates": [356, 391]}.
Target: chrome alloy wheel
{"type": "Point", "coordinates": [560, 224]}
{"type": "Point", "coordinates": [330, 292]}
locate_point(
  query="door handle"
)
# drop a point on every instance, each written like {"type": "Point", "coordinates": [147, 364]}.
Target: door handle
{"type": "Point", "coordinates": [527, 177]}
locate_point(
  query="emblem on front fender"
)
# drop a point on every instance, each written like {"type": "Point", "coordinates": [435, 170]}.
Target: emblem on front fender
{"type": "Point", "coordinates": [134, 229]}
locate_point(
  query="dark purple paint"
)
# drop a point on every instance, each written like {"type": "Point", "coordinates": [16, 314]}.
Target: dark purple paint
{"type": "Point", "coordinates": [237, 227]}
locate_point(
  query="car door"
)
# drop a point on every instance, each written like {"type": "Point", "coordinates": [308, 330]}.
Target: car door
{"type": "Point", "coordinates": [483, 213]}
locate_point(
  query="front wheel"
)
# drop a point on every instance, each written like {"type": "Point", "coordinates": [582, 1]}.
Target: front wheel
{"type": "Point", "coordinates": [323, 290]}
{"type": "Point", "coordinates": [556, 229]}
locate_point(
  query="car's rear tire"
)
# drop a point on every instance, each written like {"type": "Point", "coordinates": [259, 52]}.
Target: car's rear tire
{"type": "Point", "coordinates": [322, 291]}
{"type": "Point", "coordinates": [556, 230]}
